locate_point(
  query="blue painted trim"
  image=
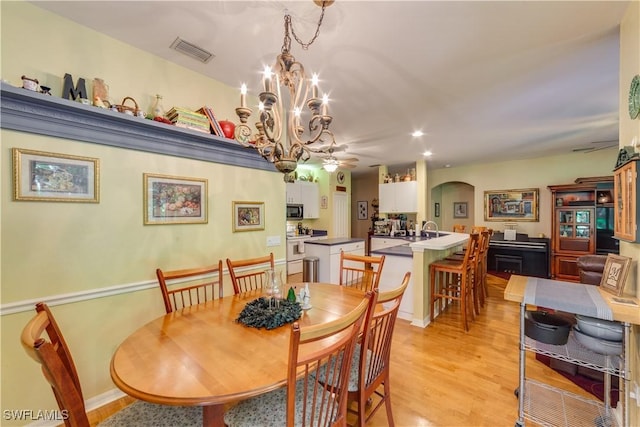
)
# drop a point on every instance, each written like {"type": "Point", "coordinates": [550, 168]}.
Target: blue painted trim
{"type": "Point", "coordinates": [27, 111]}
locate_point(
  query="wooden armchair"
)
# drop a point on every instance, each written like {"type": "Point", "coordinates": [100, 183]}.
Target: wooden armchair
{"type": "Point", "coordinates": [305, 401]}
{"type": "Point", "coordinates": [44, 343]}
{"type": "Point", "coordinates": [252, 279]}
{"type": "Point", "coordinates": [201, 286]}
{"type": "Point", "coordinates": [360, 271]}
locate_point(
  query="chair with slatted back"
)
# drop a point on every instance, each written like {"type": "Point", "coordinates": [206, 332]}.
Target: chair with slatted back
{"type": "Point", "coordinates": [451, 280]}
{"type": "Point", "coordinates": [199, 286]}
{"type": "Point", "coordinates": [459, 228]}
{"type": "Point", "coordinates": [370, 368]}
{"type": "Point", "coordinates": [482, 262]}
{"type": "Point", "coordinates": [360, 271]}
{"type": "Point", "coordinates": [305, 401]}
{"type": "Point", "coordinates": [248, 274]}
{"type": "Point", "coordinates": [44, 343]}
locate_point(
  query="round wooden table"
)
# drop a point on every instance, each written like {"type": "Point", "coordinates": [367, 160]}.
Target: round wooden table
{"type": "Point", "coordinates": [201, 356]}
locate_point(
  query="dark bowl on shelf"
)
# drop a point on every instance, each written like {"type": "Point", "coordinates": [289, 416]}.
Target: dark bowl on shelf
{"type": "Point", "coordinates": [547, 327]}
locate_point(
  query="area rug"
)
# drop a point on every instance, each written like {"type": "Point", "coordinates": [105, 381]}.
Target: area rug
{"type": "Point", "coordinates": [590, 385]}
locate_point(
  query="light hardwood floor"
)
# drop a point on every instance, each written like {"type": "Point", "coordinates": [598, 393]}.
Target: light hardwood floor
{"type": "Point", "coordinates": [442, 376]}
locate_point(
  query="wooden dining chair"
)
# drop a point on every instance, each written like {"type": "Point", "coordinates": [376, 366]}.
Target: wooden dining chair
{"type": "Point", "coordinates": [199, 286]}
{"type": "Point", "coordinates": [360, 271]}
{"type": "Point", "coordinates": [370, 368]}
{"type": "Point", "coordinates": [248, 274]}
{"type": "Point", "coordinates": [44, 343]}
{"type": "Point", "coordinates": [305, 401]}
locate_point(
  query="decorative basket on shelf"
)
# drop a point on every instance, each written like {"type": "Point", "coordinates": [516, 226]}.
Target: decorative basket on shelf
{"type": "Point", "coordinates": [123, 108]}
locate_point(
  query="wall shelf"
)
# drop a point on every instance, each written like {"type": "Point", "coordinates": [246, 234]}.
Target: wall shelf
{"type": "Point", "coordinates": [27, 111]}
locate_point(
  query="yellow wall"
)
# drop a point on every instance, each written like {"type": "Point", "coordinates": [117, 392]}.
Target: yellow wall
{"type": "Point", "coordinates": [629, 67]}
{"type": "Point", "coordinates": [55, 249]}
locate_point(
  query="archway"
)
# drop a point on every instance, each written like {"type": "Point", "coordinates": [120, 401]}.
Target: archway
{"type": "Point", "coordinates": [453, 203]}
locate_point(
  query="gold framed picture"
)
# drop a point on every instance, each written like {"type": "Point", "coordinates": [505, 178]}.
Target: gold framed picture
{"type": "Point", "coordinates": [53, 177]}
{"type": "Point", "coordinates": [614, 275]}
{"type": "Point", "coordinates": [248, 216]}
{"type": "Point", "coordinates": [174, 200]}
{"type": "Point", "coordinates": [511, 205]}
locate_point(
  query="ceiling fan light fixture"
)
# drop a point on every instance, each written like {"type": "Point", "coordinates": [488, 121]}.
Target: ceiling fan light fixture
{"type": "Point", "coordinates": [330, 166]}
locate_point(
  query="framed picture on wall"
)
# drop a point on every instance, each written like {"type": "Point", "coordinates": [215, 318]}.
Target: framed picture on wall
{"type": "Point", "coordinates": [436, 210]}
{"type": "Point", "coordinates": [460, 210]}
{"type": "Point", "coordinates": [511, 205]}
{"type": "Point", "coordinates": [248, 216]}
{"type": "Point", "coordinates": [363, 209]}
{"type": "Point", "coordinates": [52, 177]}
{"type": "Point", "coordinates": [174, 200]}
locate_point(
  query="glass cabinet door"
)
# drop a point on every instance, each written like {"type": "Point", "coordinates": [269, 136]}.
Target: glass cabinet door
{"type": "Point", "coordinates": [583, 217]}
{"type": "Point", "coordinates": [583, 231]}
{"type": "Point", "coordinates": [566, 217]}
{"type": "Point", "coordinates": [566, 230]}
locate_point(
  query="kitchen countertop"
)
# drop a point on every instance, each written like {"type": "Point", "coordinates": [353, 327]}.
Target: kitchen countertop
{"type": "Point", "coordinates": [402, 250]}
{"type": "Point", "coordinates": [335, 241]}
{"type": "Point", "coordinates": [440, 243]}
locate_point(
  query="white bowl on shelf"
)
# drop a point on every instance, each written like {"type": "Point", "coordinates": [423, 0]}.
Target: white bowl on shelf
{"type": "Point", "coordinates": [599, 328]}
{"type": "Point", "coordinates": [597, 345]}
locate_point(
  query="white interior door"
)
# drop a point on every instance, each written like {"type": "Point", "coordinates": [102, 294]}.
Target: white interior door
{"type": "Point", "coordinates": [340, 214]}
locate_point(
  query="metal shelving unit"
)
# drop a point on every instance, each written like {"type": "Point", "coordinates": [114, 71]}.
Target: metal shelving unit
{"type": "Point", "coordinates": [549, 406]}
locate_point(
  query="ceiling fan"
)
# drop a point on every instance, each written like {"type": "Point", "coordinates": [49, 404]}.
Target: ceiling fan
{"type": "Point", "coordinates": [331, 162]}
{"type": "Point", "coordinates": [606, 144]}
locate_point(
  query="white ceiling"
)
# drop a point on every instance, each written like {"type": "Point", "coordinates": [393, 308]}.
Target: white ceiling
{"type": "Point", "coordinates": [485, 80]}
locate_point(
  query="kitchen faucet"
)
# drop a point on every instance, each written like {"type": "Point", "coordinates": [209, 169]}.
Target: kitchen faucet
{"type": "Point", "coordinates": [425, 228]}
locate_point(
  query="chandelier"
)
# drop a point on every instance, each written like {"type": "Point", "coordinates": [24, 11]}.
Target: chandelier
{"type": "Point", "coordinates": [281, 137]}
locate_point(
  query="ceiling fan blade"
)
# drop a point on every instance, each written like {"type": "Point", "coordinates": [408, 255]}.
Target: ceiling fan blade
{"type": "Point", "coordinates": [346, 165]}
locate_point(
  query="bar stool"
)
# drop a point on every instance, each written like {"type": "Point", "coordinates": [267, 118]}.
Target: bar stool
{"type": "Point", "coordinates": [482, 261]}
{"type": "Point", "coordinates": [451, 280]}
{"type": "Point", "coordinates": [459, 228]}
{"type": "Point", "coordinates": [475, 279]}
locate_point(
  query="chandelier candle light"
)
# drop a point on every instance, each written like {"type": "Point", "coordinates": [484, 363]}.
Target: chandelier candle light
{"type": "Point", "coordinates": [281, 137]}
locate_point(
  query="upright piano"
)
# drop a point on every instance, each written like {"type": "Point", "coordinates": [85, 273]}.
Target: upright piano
{"type": "Point", "coordinates": [528, 256]}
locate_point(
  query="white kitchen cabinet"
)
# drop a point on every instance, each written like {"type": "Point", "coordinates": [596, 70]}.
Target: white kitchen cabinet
{"type": "Point", "coordinates": [328, 253]}
{"type": "Point", "coordinates": [306, 194]}
{"type": "Point", "coordinates": [398, 197]}
{"type": "Point", "coordinates": [385, 242]}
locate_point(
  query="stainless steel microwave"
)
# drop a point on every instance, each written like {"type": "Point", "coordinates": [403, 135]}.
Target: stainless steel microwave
{"type": "Point", "coordinates": [294, 212]}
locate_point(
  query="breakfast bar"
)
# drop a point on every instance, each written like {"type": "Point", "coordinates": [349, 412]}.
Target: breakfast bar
{"type": "Point", "coordinates": [416, 255]}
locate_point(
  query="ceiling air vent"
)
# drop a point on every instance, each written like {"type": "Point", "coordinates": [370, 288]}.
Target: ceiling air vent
{"type": "Point", "coordinates": [191, 50]}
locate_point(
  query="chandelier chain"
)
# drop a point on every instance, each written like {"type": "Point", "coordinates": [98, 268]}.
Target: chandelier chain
{"type": "Point", "coordinates": [288, 25]}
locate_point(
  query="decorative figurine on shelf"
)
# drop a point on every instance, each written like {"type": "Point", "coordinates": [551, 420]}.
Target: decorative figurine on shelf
{"type": "Point", "coordinates": [45, 90]}
{"type": "Point", "coordinates": [29, 83]}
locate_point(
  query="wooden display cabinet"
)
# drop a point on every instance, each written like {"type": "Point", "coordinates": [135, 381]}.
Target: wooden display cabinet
{"type": "Point", "coordinates": [573, 231]}
{"type": "Point", "coordinates": [626, 202]}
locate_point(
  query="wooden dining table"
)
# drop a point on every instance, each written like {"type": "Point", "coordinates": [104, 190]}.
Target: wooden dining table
{"type": "Point", "coordinates": [202, 356]}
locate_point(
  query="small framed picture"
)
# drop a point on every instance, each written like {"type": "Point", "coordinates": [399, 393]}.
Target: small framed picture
{"type": "Point", "coordinates": [614, 276]}
{"type": "Point", "coordinates": [174, 200]}
{"type": "Point", "coordinates": [52, 177]}
{"type": "Point", "coordinates": [363, 209]}
{"type": "Point", "coordinates": [248, 216]}
{"type": "Point", "coordinates": [436, 210]}
{"type": "Point", "coordinates": [460, 210]}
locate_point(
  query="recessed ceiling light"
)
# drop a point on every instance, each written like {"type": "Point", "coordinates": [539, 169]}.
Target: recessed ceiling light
{"type": "Point", "coordinates": [417, 133]}
{"type": "Point", "coordinates": [447, 166]}
{"type": "Point", "coordinates": [427, 153]}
